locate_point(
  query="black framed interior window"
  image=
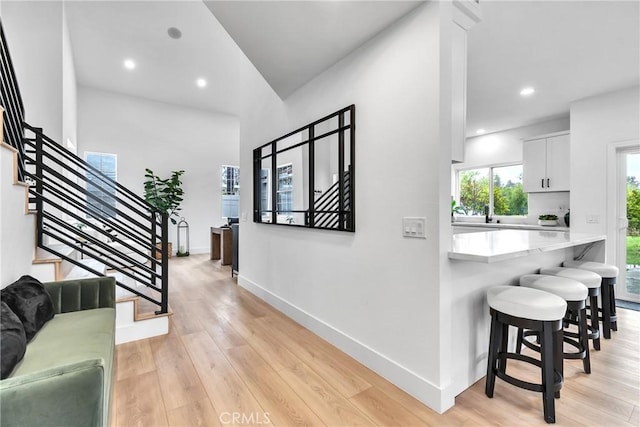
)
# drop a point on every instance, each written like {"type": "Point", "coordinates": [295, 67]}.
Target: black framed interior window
{"type": "Point", "coordinates": [306, 178]}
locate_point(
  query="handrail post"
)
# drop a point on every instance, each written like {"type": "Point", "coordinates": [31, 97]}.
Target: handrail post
{"type": "Point", "coordinates": [39, 185]}
{"type": "Point", "coordinates": [165, 265]}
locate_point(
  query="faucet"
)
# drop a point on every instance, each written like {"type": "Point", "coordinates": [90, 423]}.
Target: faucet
{"type": "Point", "coordinates": [487, 218]}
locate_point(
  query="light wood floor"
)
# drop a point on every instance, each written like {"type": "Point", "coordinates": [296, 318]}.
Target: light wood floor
{"type": "Point", "coordinates": [231, 357]}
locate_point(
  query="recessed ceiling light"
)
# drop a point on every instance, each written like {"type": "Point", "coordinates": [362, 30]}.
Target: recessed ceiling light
{"type": "Point", "coordinates": [129, 64]}
{"type": "Point", "coordinates": [527, 91]}
{"type": "Point", "coordinates": [174, 33]}
{"type": "Point", "coordinates": [480, 131]}
{"type": "Point", "coordinates": [201, 82]}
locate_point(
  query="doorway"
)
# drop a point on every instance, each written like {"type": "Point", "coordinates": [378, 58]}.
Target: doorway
{"type": "Point", "coordinates": [628, 223]}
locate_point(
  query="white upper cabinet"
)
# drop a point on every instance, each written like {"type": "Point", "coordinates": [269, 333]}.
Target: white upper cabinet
{"type": "Point", "coordinates": [546, 163]}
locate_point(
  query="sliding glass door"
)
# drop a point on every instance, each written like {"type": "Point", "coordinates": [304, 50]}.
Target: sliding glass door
{"type": "Point", "coordinates": [628, 223]}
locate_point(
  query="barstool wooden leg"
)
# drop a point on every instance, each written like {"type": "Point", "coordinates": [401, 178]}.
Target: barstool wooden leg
{"type": "Point", "coordinates": [519, 340]}
{"type": "Point", "coordinates": [583, 333]}
{"type": "Point", "coordinates": [595, 321]}
{"type": "Point", "coordinates": [558, 355]}
{"type": "Point", "coordinates": [612, 299]}
{"type": "Point", "coordinates": [605, 294]}
{"type": "Point", "coordinates": [548, 362]}
{"type": "Point", "coordinates": [494, 345]}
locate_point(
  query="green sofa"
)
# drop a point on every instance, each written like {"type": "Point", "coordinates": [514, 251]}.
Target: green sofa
{"type": "Point", "coordinates": [67, 371]}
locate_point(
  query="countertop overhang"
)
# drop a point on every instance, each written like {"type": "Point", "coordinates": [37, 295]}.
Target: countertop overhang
{"type": "Point", "coordinates": [500, 245]}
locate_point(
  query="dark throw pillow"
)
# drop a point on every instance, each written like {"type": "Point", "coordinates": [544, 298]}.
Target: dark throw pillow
{"type": "Point", "coordinates": [31, 302]}
{"type": "Point", "coordinates": [13, 342]}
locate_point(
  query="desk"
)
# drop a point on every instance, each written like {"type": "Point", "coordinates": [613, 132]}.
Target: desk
{"type": "Point", "coordinates": [222, 244]}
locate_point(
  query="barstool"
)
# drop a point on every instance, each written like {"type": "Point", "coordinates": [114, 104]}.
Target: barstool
{"type": "Point", "coordinates": [534, 310]}
{"type": "Point", "coordinates": [575, 294]}
{"type": "Point", "coordinates": [609, 274]}
{"type": "Point", "coordinates": [592, 281]}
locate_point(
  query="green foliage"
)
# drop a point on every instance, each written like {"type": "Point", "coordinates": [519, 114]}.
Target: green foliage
{"type": "Point", "coordinates": [633, 210]}
{"type": "Point", "coordinates": [164, 195]}
{"type": "Point", "coordinates": [633, 250]}
{"type": "Point", "coordinates": [548, 217]}
{"type": "Point", "coordinates": [474, 192]}
{"type": "Point", "coordinates": [456, 208]}
{"type": "Point", "coordinates": [508, 199]}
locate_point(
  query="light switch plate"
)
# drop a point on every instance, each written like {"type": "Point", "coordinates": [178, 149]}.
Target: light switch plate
{"type": "Point", "coordinates": [414, 227]}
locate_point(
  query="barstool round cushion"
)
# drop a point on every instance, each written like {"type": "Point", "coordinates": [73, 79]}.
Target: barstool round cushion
{"type": "Point", "coordinates": [588, 278]}
{"type": "Point", "coordinates": [608, 271]}
{"type": "Point", "coordinates": [567, 289]}
{"type": "Point", "coordinates": [526, 303]}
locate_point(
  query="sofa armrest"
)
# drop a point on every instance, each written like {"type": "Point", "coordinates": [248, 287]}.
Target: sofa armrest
{"type": "Point", "coordinates": [70, 395]}
{"type": "Point", "coordinates": [82, 294]}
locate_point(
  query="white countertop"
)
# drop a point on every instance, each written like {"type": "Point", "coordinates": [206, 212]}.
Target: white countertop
{"type": "Point", "coordinates": [500, 245]}
{"type": "Point", "coordinates": [503, 226]}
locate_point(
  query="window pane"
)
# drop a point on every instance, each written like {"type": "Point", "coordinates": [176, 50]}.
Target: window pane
{"type": "Point", "coordinates": [103, 200]}
{"type": "Point", "coordinates": [474, 190]}
{"type": "Point", "coordinates": [230, 182]}
{"type": "Point", "coordinates": [508, 196]}
{"type": "Point", "coordinates": [284, 202]}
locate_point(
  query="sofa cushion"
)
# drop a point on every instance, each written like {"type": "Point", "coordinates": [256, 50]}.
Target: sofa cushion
{"type": "Point", "coordinates": [70, 338]}
{"type": "Point", "coordinates": [13, 341]}
{"type": "Point", "coordinates": [31, 302]}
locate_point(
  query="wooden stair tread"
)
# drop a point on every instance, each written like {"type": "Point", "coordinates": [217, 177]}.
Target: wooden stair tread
{"type": "Point", "coordinates": [78, 272]}
{"type": "Point", "coordinates": [137, 316]}
{"type": "Point", "coordinates": [44, 256]}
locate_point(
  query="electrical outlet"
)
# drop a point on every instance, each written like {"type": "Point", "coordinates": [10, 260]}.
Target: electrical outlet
{"type": "Point", "coordinates": [243, 216]}
{"type": "Point", "coordinates": [414, 227]}
{"type": "Point", "coordinates": [593, 219]}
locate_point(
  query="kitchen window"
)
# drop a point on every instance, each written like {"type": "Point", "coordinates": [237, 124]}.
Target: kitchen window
{"type": "Point", "coordinates": [499, 187]}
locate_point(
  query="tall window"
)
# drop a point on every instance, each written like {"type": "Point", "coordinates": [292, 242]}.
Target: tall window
{"type": "Point", "coordinates": [104, 201]}
{"type": "Point", "coordinates": [499, 187]}
{"type": "Point", "coordinates": [285, 189]}
{"type": "Point", "coordinates": [230, 180]}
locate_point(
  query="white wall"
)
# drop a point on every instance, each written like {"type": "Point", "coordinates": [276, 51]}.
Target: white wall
{"type": "Point", "coordinates": [596, 124]}
{"type": "Point", "coordinates": [69, 91]}
{"type": "Point", "coordinates": [38, 59]}
{"type": "Point", "coordinates": [164, 138]}
{"type": "Point", "coordinates": [17, 230]}
{"type": "Point", "coordinates": [358, 290]}
{"type": "Point", "coordinates": [505, 148]}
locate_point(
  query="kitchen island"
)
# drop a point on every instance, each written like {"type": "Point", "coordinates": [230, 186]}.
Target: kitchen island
{"type": "Point", "coordinates": [501, 245]}
{"type": "Point", "coordinates": [480, 260]}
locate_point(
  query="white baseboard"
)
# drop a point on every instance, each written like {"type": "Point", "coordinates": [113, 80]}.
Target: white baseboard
{"type": "Point", "coordinates": [409, 381]}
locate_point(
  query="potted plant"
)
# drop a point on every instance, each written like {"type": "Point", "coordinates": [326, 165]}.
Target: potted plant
{"type": "Point", "coordinates": [164, 196]}
{"type": "Point", "coordinates": [548, 219]}
{"type": "Point", "coordinates": [456, 209]}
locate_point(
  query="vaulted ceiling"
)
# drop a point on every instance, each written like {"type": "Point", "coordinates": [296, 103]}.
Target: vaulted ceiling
{"type": "Point", "coordinates": [567, 50]}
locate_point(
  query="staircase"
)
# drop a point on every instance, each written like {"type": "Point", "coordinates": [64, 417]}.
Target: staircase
{"type": "Point", "coordinates": [331, 210]}
{"type": "Point", "coordinates": [86, 224]}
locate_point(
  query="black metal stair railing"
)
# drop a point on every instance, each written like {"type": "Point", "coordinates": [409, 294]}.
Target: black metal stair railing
{"type": "Point", "coordinates": [125, 240]}
{"type": "Point", "coordinates": [327, 209]}
{"type": "Point", "coordinates": [11, 101]}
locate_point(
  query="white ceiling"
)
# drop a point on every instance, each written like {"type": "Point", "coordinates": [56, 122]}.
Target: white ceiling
{"type": "Point", "coordinates": [104, 33]}
{"type": "Point", "coordinates": [291, 42]}
{"type": "Point", "coordinates": [567, 50]}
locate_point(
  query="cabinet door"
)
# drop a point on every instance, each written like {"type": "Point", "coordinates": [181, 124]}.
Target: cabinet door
{"type": "Point", "coordinates": [534, 166]}
{"type": "Point", "coordinates": [558, 163]}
